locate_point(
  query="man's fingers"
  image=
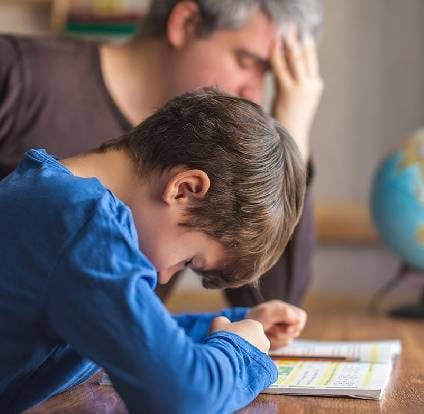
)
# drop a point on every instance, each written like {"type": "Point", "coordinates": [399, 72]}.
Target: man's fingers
{"type": "Point", "coordinates": [277, 57]}
{"type": "Point", "coordinates": [310, 55]}
{"type": "Point", "coordinates": [295, 60]}
{"type": "Point", "coordinates": [279, 64]}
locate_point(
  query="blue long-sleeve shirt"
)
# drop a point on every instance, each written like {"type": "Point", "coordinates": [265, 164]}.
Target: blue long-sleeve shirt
{"type": "Point", "coordinates": [76, 293]}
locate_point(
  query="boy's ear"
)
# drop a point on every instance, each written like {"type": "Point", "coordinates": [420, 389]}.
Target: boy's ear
{"type": "Point", "coordinates": [185, 186]}
{"type": "Point", "coordinates": [183, 23]}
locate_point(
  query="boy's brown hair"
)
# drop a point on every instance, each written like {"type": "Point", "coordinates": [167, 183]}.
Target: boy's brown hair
{"type": "Point", "coordinates": [255, 169]}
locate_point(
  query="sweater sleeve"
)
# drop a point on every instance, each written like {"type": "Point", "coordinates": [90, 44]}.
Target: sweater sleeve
{"type": "Point", "coordinates": [196, 326]}
{"type": "Point", "coordinates": [100, 300]}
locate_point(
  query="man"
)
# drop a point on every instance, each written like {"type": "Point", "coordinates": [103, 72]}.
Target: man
{"type": "Point", "coordinates": [68, 96]}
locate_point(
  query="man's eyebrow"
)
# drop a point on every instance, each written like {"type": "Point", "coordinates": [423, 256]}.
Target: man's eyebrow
{"type": "Point", "coordinates": [257, 58]}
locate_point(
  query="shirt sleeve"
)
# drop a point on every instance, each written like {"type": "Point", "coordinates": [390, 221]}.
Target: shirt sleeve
{"type": "Point", "coordinates": [11, 86]}
{"type": "Point", "coordinates": [100, 300]}
{"type": "Point", "coordinates": [196, 326]}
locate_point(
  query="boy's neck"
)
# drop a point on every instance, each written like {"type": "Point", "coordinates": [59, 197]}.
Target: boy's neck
{"type": "Point", "coordinates": [114, 168]}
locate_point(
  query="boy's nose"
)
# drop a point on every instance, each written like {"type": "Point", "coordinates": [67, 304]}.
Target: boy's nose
{"type": "Point", "coordinates": [166, 274]}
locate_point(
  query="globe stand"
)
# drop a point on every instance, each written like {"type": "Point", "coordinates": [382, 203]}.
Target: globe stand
{"type": "Point", "coordinates": [410, 311]}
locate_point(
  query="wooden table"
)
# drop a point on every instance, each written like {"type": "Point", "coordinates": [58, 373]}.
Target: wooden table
{"type": "Point", "coordinates": [404, 395]}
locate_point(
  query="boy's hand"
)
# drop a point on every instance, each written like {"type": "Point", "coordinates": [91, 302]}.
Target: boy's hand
{"type": "Point", "coordinates": [250, 330]}
{"type": "Point", "coordinates": [298, 86]}
{"type": "Point", "coordinates": [281, 322]}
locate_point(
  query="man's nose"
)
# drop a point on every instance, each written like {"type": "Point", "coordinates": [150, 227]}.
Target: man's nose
{"type": "Point", "coordinates": [252, 91]}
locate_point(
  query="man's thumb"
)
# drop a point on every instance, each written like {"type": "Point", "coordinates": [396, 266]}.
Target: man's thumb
{"type": "Point", "coordinates": [219, 323]}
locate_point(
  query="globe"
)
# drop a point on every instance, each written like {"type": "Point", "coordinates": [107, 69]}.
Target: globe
{"type": "Point", "coordinates": [397, 200]}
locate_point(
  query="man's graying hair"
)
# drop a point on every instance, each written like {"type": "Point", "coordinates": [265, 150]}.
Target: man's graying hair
{"type": "Point", "coordinates": [233, 14]}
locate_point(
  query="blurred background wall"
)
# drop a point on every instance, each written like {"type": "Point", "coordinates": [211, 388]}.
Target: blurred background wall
{"type": "Point", "coordinates": [25, 17]}
{"type": "Point", "coordinates": [372, 61]}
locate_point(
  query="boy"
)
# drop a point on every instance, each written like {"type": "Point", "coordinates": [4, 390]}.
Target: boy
{"type": "Point", "coordinates": [208, 182]}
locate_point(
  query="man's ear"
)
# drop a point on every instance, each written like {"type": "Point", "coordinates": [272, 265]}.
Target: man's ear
{"type": "Point", "coordinates": [183, 23]}
{"type": "Point", "coordinates": [185, 186]}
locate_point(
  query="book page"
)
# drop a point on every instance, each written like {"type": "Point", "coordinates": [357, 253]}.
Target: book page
{"type": "Point", "coordinates": [354, 378]}
{"type": "Point", "coordinates": [365, 351]}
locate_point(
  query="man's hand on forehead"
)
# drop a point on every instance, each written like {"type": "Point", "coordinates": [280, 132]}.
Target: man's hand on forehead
{"type": "Point", "coordinates": [298, 85]}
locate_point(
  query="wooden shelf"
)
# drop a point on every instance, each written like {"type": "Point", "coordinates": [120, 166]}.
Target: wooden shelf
{"type": "Point", "coordinates": [58, 14]}
{"type": "Point", "coordinates": [348, 222]}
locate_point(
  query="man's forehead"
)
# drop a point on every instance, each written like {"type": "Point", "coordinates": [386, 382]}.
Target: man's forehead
{"type": "Point", "coordinates": [256, 36]}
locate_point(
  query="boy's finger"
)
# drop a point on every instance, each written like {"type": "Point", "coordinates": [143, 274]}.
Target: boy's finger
{"type": "Point", "coordinates": [286, 314]}
{"type": "Point", "coordinates": [219, 323]}
{"type": "Point", "coordinates": [285, 329]}
{"type": "Point", "coordinates": [277, 341]}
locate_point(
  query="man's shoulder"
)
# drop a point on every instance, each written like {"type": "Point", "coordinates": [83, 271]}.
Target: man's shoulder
{"type": "Point", "coordinates": [9, 55]}
{"type": "Point", "coordinates": [37, 69]}
{"type": "Point", "coordinates": [46, 49]}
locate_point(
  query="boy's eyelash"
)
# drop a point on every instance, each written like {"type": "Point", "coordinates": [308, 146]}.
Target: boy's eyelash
{"type": "Point", "coordinates": [195, 267]}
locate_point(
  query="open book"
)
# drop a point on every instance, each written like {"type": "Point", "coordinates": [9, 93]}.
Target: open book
{"type": "Point", "coordinates": [349, 369]}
